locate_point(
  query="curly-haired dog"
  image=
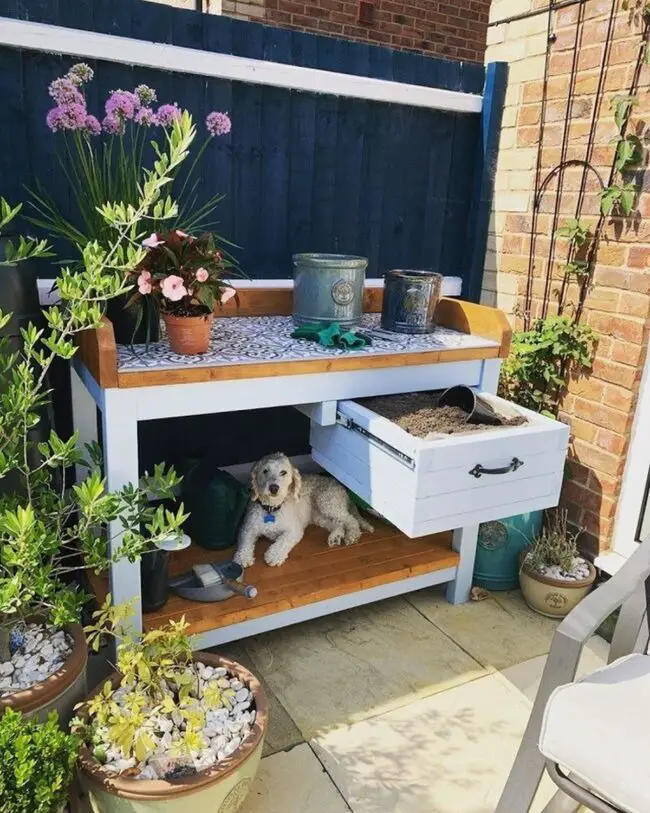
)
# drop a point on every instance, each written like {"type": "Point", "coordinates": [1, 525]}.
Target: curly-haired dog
{"type": "Point", "coordinates": [283, 503]}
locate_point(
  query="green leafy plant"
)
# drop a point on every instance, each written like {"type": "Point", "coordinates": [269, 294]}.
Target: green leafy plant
{"type": "Point", "coordinates": [44, 524]}
{"type": "Point", "coordinates": [542, 359]}
{"type": "Point", "coordinates": [618, 198]}
{"type": "Point", "coordinates": [156, 680]}
{"type": "Point", "coordinates": [37, 764]}
{"type": "Point", "coordinates": [575, 231]}
{"type": "Point", "coordinates": [554, 546]}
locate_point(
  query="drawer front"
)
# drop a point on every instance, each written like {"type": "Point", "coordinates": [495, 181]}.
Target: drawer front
{"type": "Point", "coordinates": [426, 486]}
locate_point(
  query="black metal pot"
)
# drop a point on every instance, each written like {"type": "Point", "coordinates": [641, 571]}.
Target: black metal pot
{"type": "Point", "coordinates": [154, 579]}
{"type": "Point", "coordinates": [137, 324]}
{"type": "Point", "coordinates": [410, 299]}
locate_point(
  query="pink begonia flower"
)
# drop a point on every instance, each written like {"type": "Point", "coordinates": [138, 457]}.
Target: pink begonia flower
{"type": "Point", "coordinates": [153, 241]}
{"type": "Point", "coordinates": [181, 234]}
{"type": "Point", "coordinates": [227, 294]}
{"type": "Point", "coordinates": [173, 288]}
{"type": "Point", "coordinates": [144, 282]}
{"type": "Point", "coordinates": [201, 274]}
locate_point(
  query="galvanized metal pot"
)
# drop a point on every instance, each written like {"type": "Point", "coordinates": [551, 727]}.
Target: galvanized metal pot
{"type": "Point", "coordinates": [328, 288]}
{"type": "Point", "coordinates": [410, 299]}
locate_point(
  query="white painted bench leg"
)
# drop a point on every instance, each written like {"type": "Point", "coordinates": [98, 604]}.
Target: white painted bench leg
{"type": "Point", "coordinates": [561, 803]}
{"type": "Point", "coordinates": [464, 543]}
{"type": "Point", "coordinates": [84, 418]}
{"type": "Point", "coordinates": [120, 430]}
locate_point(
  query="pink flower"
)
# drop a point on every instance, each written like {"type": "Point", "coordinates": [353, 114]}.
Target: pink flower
{"type": "Point", "coordinates": [146, 117]}
{"type": "Point", "coordinates": [113, 125]}
{"type": "Point", "coordinates": [153, 241]}
{"type": "Point", "coordinates": [218, 124]}
{"type": "Point", "coordinates": [227, 294]}
{"type": "Point", "coordinates": [64, 91]}
{"type": "Point", "coordinates": [144, 282]}
{"type": "Point", "coordinates": [67, 117]}
{"type": "Point", "coordinates": [172, 288]}
{"type": "Point", "coordinates": [122, 104]}
{"type": "Point", "coordinates": [201, 274]}
{"type": "Point", "coordinates": [167, 113]}
{"type": "Point", "coordinates": [93, 127]}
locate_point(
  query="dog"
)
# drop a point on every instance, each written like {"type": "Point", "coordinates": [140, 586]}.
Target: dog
{"type": "Point", "coordinates": [284, 502]}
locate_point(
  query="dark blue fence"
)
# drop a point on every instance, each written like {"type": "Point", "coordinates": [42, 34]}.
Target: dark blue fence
{"type": "Point", "coordinates": [300, 171]}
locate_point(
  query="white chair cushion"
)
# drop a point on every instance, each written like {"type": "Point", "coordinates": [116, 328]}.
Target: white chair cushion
{"type": "Point", "coordinates": [598, 729]}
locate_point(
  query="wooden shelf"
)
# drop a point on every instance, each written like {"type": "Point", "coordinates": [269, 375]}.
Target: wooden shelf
{"type": "Point", "coordinates": [314, 572]}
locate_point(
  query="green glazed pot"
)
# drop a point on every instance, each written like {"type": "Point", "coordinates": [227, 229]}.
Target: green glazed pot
{"type": "Point", "coordinates": [220, 789]}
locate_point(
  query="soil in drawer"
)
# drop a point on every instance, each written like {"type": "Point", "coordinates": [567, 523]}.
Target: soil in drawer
{"type": "Point", "coordinates": [425, 486]}
{"type": "Point", "coordinates": [418, 414]}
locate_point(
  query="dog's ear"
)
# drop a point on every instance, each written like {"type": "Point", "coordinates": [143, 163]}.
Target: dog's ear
{"type": "Point", "coordinates": [254, 472]}
{"type": "Point", "coordinates": [296, 482]}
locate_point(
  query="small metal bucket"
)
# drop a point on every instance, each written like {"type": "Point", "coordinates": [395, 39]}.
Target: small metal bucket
{"type": "Point", "coordinates": [328, 288]}
{"type": "Point", "coordinates": [410, 299]}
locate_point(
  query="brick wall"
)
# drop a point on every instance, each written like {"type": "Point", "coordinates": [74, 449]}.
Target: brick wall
{"type": "Point", "coordinates": [600, 407]}
{"type": "Point", "coordinates": [450, 28]}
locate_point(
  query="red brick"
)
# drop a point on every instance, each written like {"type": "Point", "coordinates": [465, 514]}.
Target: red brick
{"type": "Point", "coordinates": [624, 353]}
{"type": "Point", "coordinates": [601, 416]}
{"type": "Point", "coordinates": [614, 373]}
{"type": "Point", "coordinates": [618, 398]}
{"type": "Point", "coordinates": [617, 326]}
{"type": "Point", "coordinates": [598, 459]}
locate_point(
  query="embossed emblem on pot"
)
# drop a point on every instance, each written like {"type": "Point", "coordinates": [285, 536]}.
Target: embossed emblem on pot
{"type": "Point", "coordinates": [234, 799]}
{"type": "Point", "coordinates": [492, 535]}
{"type": "Point", "coordinates": [342, 292]}
{"type": "Point", "coordinates": [555, 601]}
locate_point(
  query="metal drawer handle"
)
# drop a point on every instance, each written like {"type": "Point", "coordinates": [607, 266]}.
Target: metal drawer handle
{"type": "Point", "coordinates": [514, 464]}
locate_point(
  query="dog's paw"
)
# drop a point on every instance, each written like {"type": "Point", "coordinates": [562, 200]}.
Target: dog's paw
{"type": "Point", "coordinates": [275, 558]}
{"type": "Point", "coordinates": [352, 539]}
{"type": "Point", "coordinates": [336, 538]}
{"type": "Point", "coordinates": [244, 560]}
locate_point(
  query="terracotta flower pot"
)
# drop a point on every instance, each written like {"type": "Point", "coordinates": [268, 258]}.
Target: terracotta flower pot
{"type": "Point", "coordinates": [188, 335]}
{"type": "Point", "coordinates": [554, 598]}
{"type": "Point", "coordinates": [220, 789]}
{"type": "Point", "coordinates": [61, 691]}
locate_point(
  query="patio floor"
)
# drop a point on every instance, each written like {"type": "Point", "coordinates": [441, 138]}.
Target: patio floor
{"type": "Point", "coordinates": [410, 705]}
{"type": "Point", "coordinates": [406, 706]}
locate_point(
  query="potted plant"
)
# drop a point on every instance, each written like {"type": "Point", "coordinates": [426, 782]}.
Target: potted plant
{"type": "Point", "coordinates": [184, 274]}
{"type": "Point", "coordinates": [171, 730]}
{"type": "Point", "coordinates": [49, 531]}
{"type": "Point", "coordinates": [37, 764]}
{"type": "Point", "coordinates": [101, 156]}
{"type": "Point", "coordinates": [553, 576]}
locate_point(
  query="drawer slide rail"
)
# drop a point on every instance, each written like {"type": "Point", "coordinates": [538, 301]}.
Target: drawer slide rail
{"type": "Point", "coordinates": [353, 426]}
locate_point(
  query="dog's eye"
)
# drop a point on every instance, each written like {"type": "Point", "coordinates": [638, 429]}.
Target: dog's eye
{"type": "Point", "coordinates": [283, 474]}
{"type": "Point", "coordinates": [266, 471]}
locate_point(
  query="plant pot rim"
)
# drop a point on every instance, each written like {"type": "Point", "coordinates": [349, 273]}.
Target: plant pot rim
{"type": "Point", "coordinates": [172, 317]}
{"type": "Point", "coordinates": [45, 691]}
{"type": "Point", "coordinates": [162, 789]}
{"type": "Point", "coordinates": [569, 584]}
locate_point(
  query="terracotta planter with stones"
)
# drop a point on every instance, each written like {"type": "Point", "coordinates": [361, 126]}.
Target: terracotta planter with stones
{"type": "Point", "coordinates": [219, 789]}
{"type": "Point", "coordinates": [60, 691]}
{"type": "Point", "coordinates": [188, 335]}
{"type": "Point", "coordinates": [554, 598]}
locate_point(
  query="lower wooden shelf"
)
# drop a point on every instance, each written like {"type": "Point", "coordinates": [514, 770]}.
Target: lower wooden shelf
{"type": "Point", "coordinates": [314, 572]}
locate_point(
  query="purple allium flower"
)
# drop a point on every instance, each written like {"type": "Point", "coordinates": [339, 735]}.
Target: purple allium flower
{"type": "Point", "coordinates": [146, 117]}
{"type": "Point", "coordinates": [122, 103]}
{"type": "Point", "coordinates": [218, 123]}
{"type": "Point", "coordinates": [146, 94]}
{"type": "Point", "coordinates": [167, 113]}
{"type": "Point", "coordinates": [67, 117]}
{"type": "Point", "coordinates": [80, 73]}
{"type": "Point", "coordinates": [113, 125]}
{"type": "Point", "coordinates": [64, 91]}
{"type": "Point", "coordinates": [93, 127]}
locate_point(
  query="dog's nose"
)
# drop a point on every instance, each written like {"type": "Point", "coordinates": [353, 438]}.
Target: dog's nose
{"type": "Point", "coordinates": [274, 488]}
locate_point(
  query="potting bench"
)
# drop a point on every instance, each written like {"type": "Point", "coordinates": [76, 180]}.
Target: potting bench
{"type": "Point", "coordinates": [253, 363]}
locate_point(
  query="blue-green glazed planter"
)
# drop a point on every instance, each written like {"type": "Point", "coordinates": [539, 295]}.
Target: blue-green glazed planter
{"type": "Point", "coordinates": [499, 545]}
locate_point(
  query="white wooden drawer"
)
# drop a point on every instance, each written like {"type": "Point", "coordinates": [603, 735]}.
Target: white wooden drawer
{"type": "Point", "coordinates": [426, 486]}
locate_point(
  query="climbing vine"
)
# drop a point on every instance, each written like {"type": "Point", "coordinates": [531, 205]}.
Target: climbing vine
{"type": "Point", "coordinates": [556, 348]}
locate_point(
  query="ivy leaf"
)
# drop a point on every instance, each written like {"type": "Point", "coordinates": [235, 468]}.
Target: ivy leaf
{"type": "Point", "coordinates": [608, 198]}
{"type": "Point", "coordinates": [627, 196]}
